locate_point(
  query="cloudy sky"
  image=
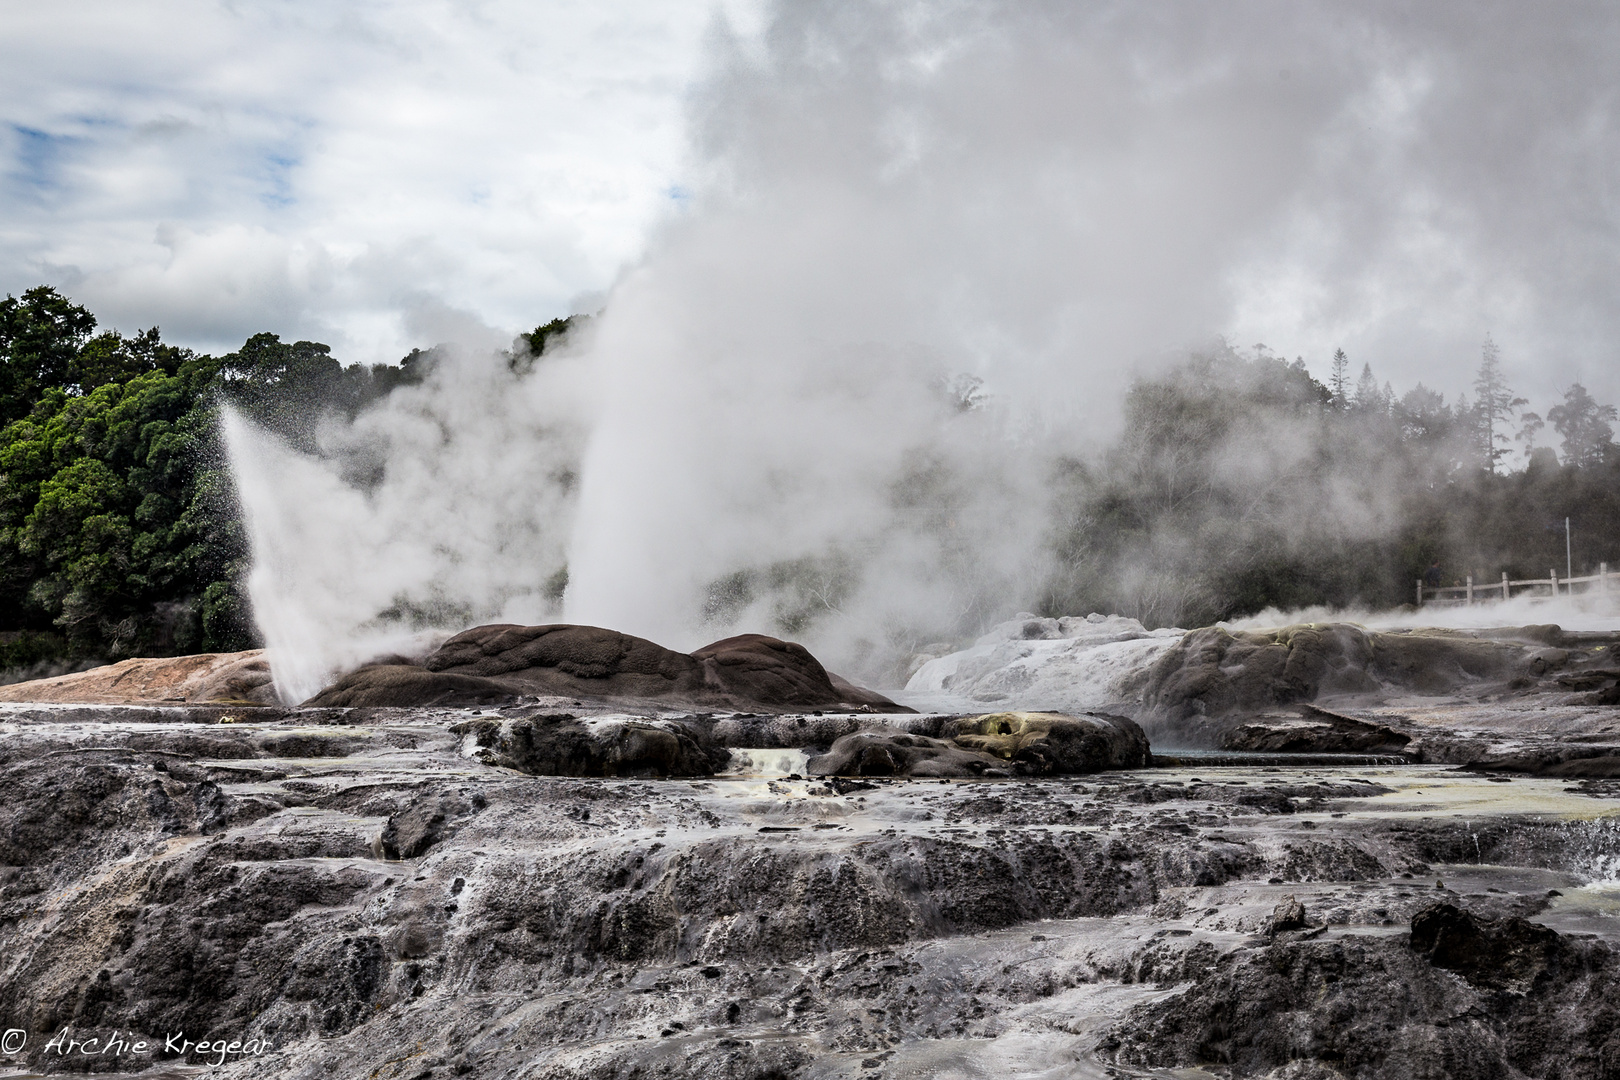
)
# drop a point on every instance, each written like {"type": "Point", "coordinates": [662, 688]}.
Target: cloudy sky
{"type": "Point", "coordinates": [374, 174]}
{"type": "Point", "coordinates": [381, 174]}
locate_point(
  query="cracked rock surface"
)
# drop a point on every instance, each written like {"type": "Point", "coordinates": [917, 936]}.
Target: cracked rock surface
{"type": "Point", "coordinates": [386, 892]}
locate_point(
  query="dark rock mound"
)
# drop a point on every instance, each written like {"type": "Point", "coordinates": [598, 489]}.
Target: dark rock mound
{"type": "Point", "coordinates": [1467, 996]}
{"type": "Point", "coordinates": [1495, 953]}
{"type": "Point", "coordinates": [998, 744]}
{"type": "Point", "coordinates": [863, 699]}
{"type": "Point", "coordinates": [781, 673]}
{"type": "Point", "coordinates": [1317, 732]}
{"type": "Point", "coordinates": [569, 660]}
{"type": "Point", "coordinates": [561, 745]}
{"type": "Point", "coordinates": [405, 685]}
{"type": "Point", "coordinates": [490, 664]}
{"type": "Point", "coordinates": [1046, 743]}
{"type": "Point", "coordinates": [881, 753]}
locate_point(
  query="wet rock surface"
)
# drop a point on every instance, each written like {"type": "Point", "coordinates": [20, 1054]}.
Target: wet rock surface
{"type": "Point", "coordinates": [389, 892]}
{"type": "Point", "coordinates": [1045, 744]}
{"type": "Point", "coordinates": [502, 663]}
{"type": "Point", "coordinates": [1459, 996]}
{"type": "Point", "coordinates": [994, 745]}
{"type": "Point", "coordinates": [1215, 673]}
{"type": "Point", "coordinates": [1315, 731]}
{"type": "Point", "coordinates": [561, 744]}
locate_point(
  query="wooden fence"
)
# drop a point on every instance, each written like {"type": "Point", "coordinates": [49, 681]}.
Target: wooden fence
{"type": "Point", "coordinates": [1599, 585]}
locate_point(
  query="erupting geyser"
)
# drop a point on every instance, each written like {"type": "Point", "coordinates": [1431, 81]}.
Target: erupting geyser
{"type": "Point", "coordinates": [917, 258]}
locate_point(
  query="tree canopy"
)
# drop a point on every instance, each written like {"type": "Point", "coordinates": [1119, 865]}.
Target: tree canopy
{"type": "Point", "coordinates": [1241, 483]}
{"type": "Point", "coordinates": [119, 529]}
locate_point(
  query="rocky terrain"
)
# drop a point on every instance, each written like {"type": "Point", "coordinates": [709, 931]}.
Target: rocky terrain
{"type": "Point", "coordinates": [1376, 883]}
{"type": "Point", "coordinates": [241, 678]}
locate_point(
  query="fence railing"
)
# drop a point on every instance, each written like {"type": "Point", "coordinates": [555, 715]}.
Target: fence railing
{"type": "Point", "coordinates": [1600, 584]}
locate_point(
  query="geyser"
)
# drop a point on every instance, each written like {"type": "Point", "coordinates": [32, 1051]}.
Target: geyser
{"type": "Point", "coordinates": [922, 252]}
{"type": "Point", "coordinates": [446, 505]}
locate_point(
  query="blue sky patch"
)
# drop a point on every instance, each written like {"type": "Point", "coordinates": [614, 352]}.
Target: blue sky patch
{"type": "Point", "coordinates": [36, 158]}
{"type": "Point", "coordinates": [278, 170]}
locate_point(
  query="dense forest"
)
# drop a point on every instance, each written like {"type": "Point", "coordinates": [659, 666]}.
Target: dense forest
{"type": "Point", "coordinates": [1240, 482]}
{"type": "Point", "coordinates": [119, 531]}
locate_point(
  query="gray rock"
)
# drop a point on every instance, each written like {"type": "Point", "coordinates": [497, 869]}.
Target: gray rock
{"type": "Point", "coordinates": [1215, 672]}
{"type": "Point", "coordinates": [1319, 731]}
{"type": "Point", "coordinates": [398, 897]}
{"type": "Point", "coordinates": [560, 744]}
{"type": "Point", "coordinates": [881, 753]}
{"type": "Point", "coordinates": [1378, 1007]}
{"type": "Point", "coordinates": [1047, 744]}
{"type": "Point", "coordinates": [996, 744]}
{"type": "Point", "coordinates": [1289, 914]}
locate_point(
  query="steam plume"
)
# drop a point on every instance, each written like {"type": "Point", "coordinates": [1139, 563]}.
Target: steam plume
{"type": "Point", "coordinates": [926, 247]}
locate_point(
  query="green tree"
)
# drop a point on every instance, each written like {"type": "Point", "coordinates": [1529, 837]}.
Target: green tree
{"type": "Point", "coordinates": [532, 345]}
{"type": "Point", "coordinates": [40, 336]}
{"type": "Point", "coordinates": [119, 529]}
{"type": "Point", "coordinates": [1585, 426]}
{"type": "Point", "coordinates": [112, 525]}
{"type": "Point", "coordinates": [110, 357]}
{"type": "Point", "coordinates": [288, 388]}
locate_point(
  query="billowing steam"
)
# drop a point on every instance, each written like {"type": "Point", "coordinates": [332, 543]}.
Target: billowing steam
{"type": "Point", "coordinates": [451, 502]}
{"type": "Point", "coordinates": [925, 248]}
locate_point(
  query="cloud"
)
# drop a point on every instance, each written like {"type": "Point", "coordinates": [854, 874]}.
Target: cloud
{"type": "Point", "coordinates": [314, 169]}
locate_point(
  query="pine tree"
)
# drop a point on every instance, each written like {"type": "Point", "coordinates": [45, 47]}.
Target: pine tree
{"type": "Point", "coordinates": [1495, 405]}
{"type": "Point", "coordinates": [1339, 381]}
{"type": "Point", "coordinates": [1369, 398]}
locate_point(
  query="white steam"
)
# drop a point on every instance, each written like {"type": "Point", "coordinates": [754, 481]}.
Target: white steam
{"type": "Point", "coordinates": [891, 200]}
{"type": "Point", "coordinates": [1577, 613]}
{"type": "Point", "coordinates": [447, 504]}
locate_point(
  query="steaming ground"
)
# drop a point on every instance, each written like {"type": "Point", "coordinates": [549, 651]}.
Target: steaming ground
{"type": "Point", "coordinates": [1068, 665]}
{"type": "Point", "coordinates": [1570, 614]}
{"type": "Point", "coordinates": [1113, 664]}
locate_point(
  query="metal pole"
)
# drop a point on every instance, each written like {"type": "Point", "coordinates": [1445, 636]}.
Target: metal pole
{"type": "Point", "coordinates": [1420, 592]}
{"type": "Point", "coordinates": [1569, 563]}
{"type": "Point", "coordinates": [1504, 585]}
{"type": "Point", "coordinates": [1470, 590]}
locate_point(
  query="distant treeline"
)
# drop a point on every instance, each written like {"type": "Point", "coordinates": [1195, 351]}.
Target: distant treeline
{"type": "Point", "coordinates": [1241, 483]}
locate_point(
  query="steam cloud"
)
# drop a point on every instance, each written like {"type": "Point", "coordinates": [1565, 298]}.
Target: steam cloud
{"type": "Point", "coordinates": [899, 211]}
